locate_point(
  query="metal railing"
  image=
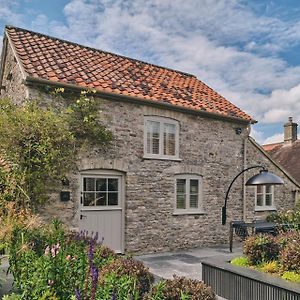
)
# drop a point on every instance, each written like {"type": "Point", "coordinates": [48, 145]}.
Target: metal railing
{"type": "Point", "coordinates": [243, 284]}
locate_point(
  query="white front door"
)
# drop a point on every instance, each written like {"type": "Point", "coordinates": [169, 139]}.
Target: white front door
{"type": "Point", "coordinates": [101, 208]}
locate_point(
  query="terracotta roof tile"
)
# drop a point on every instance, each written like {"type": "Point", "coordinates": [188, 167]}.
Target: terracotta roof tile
{"type": "Point", "coordinates": [61, 61]}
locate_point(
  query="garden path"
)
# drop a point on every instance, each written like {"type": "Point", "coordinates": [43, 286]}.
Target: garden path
{"type": "Point", "coordinates": [185, 263]}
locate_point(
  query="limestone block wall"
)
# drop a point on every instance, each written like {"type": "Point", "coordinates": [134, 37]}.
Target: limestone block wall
{"type": "Point", "coordinates": [208, 147]}
{"type": "Point", "coordinates": [14, 88]}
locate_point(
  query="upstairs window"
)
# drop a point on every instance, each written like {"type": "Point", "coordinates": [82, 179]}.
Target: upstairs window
{"type": "Point", "coordinates": [161, 138]}
{"type": "Point", "coordinates": [188, 190]}
{"type": "Point", "coordinates": [264, 197]}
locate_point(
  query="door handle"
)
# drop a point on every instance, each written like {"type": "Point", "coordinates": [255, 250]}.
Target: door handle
{"type": "Point", "coordinates": [82, 216]}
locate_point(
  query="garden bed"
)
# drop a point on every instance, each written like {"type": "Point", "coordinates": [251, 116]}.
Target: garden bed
{"type": "Point", "coordinates": [236, 283]}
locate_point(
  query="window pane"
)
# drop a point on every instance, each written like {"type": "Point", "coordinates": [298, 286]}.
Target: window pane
{"type": "Point", "coordinates": [194, 186]}
{"type": "Point", "coordinates": [268, 189]}
{"type": "Point", "coordinates": [112, 198]}
{"type": "Point", "coordinates": [112, 184]}
{"type": "Point", "coordinates": [180, 203]}
{"type": "Point", "coordinates": [259, 200]}
{"type": "Point", "coordinates": [88, 184]}
{"type": "Point", "coordinates": [259, 189]}
{"type": "Point", "coordinates": [268, 199]}
{"type": "Point", "coordinates": [180, 186]}
{"type": "Point", "coordinates": [153, 131]}
{"type": "Point", "coordinates": [194, 201]}
{"type": "Point", "coordinates": [169, 139]}
{"type": "Point", "coordinates": [101, 184]}
{"type": "Point", "coordinates": [88, 199]}
{"type": "Point", "coordinates": [101, 199]}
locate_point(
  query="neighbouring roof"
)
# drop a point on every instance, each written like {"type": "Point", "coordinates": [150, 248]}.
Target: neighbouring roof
{"type": "Point", "coordinates": [288, 156]}
{"type": "Point", "coordinates": [276, 162]}
{"type": "Point", "coordinates": [60, 61]}
{"type": "Point", "coordinates": [270, 147]}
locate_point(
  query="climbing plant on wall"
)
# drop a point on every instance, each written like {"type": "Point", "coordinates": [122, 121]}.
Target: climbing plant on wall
{"type": "Point", "coordinates": [39, 143]}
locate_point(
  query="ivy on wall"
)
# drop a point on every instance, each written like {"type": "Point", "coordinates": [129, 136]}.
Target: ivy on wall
{"type": "Point", "coordinates": [38, 145]}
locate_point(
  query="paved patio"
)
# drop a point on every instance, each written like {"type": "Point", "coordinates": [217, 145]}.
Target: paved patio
{"type": "Point", "coordinates": [185, 263]}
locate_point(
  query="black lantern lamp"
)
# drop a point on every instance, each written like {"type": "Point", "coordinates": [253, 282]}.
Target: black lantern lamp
{"type": "Point", "coordinates": [263, 178]}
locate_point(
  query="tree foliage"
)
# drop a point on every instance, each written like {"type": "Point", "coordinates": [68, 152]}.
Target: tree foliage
{"type": "Point", "coordinates": [38, 145]}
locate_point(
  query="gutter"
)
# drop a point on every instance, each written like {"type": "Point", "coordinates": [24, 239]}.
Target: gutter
{"type": "Point", "coordinates": [29, 80]}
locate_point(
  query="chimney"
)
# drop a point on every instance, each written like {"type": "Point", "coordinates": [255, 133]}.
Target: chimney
{"type": "Point", "coordinates": [290, 132]}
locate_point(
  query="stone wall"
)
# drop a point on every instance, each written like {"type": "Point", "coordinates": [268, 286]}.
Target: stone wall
{"type": "Point", "coordinates": [13, 79]}
{"type": "Point", "coordinates": [208, 147]}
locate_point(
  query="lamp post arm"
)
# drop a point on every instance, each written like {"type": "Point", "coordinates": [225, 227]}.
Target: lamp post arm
{"type": "Point", "coordinates": [228, 190]}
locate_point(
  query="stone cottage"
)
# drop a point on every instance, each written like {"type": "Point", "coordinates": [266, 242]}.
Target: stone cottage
{"type": "Point", "coordinates": [177, 146]}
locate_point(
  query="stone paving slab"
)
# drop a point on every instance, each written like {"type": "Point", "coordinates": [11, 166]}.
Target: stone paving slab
{"type": "Point", "coordinates": [185, 263]}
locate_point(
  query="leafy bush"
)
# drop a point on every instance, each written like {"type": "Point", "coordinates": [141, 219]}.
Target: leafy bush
{"type": "Point", "coordinates": [260, 248]}
{"type": "Point", "coordinates": [180, 288]}
{"type": "Point", "coordinates": [291, 217]}
{"type": "Point", "coordinates": [284, 238]}
{"type": "Point", "coordinates": [240, 261]}
{"type": "Point", "coordinates": [12, 297]}
{"type": "Point", "coordinates": [290, 257]}
{"type": "Point", "coordinates": [291, 276]}
{"type": "Point", "coordinates": [132, 268]}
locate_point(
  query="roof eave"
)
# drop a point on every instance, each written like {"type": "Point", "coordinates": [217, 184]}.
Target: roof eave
{"type": "Point", "coordinates": [29, 80]}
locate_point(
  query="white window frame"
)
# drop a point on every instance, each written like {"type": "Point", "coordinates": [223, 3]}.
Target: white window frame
{"type": "Point", "coordinates": [188, 209]}
{"type": "Point", "coordinates": [264, 207]}
{"type": "Point", "coordinates": [104, 175]}
{"type": "Point", "coordinates": [161, 121]}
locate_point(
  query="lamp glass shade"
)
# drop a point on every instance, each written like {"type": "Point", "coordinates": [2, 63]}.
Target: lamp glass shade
{"type": "Point", "coordinates": [264, 178]}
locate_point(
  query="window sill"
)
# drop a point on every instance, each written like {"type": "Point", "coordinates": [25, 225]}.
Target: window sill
{"type": "Point", "coordinates": [265, 208]}
{"type": "Point", "coordinates": [189, 212]}
{"type": "Point", "coordinates": [162, 158]}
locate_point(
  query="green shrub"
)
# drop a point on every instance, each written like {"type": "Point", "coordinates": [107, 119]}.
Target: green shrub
{"type": "Point", "coordinates": [260, 248]}
{"type": "Point", "coordinates": [44, 265]}
{"type": "Point", "coordinates": [103, 256]}
{"type": "Point", "coordinates": [284, 238]}
{"type": "Point", "coordinates": [129, 267]}
{"type": "Point", "coordinates": [269, 266]}
{"type": "Point", "coordinates": [117, 287]}
{"type": "Point", "coordinates": [291, 276]}
{"type": "Point", "coordinates": [291, 217]}
{"type": "Point", "coordinates": [240, 261]}
{"type": "Point", "coordinates": [180, 288]}
{"type": "Point", "coordinates": [12, 296]}
{"type": "Point", "coordinates": [290, 257]}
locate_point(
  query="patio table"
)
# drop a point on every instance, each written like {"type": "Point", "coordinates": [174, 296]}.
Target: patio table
{"type": "Point", "coordinates": [241, 229]}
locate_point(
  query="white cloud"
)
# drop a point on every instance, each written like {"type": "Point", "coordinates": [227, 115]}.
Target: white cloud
{"type": "Point", "coordinates": [257, 135]}
{"type": "Point", "coordinates": [276, 138]}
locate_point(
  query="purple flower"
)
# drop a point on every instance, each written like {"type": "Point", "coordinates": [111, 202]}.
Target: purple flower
{"type": "Point", "coordinates": [77, 294]}
{"type": "Point", "coordinates": [113, 296]}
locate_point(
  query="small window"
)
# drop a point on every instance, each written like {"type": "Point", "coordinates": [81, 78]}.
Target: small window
{"type": "Point", "coordinates": [161, 138]}
{"type": "Point", "coordinates": [100, 191]}
{"type": "Point", "coordinates": [188, 190]}
{"type": "Point", "coordinates": [264, 197]}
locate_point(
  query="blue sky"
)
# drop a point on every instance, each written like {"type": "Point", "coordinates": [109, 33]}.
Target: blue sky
{"type": "Point", "coordinates": [246, 50]}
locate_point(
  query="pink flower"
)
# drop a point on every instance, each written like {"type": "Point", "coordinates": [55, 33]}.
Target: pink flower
{"type": "Point", "coordinates": [68, 257]}
{"type": "Point", "coordinates": [50, 282]}
{"type": "Point", "coordinates": [47, 250]}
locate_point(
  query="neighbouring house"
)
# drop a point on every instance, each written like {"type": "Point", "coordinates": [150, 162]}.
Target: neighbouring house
{"type": "Point", "coordinates": [287, 153]}
{"type": "Point", "coordinates": [177, 146]}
